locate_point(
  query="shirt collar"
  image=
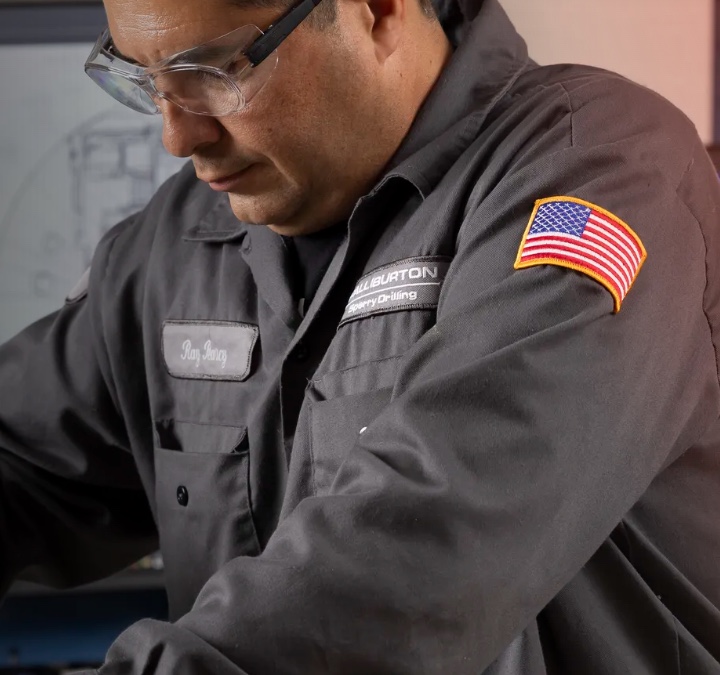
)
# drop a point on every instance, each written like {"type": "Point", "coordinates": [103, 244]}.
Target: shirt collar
{"type": "Point", "coordinates": [490, 56]}
{"type": "Point", "coordinates": [218, 225]}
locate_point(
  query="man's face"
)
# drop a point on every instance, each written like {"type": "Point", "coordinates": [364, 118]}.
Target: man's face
{"type": "Point", "coordinates": [309, 144]}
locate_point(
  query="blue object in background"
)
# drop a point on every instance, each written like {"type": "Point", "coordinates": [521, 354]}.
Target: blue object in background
{"type": "Point", "coordinates": [69, 628]}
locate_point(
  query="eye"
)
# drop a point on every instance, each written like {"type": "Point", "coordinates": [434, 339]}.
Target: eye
{"type": "Point", "coordinates": [235, 66]}
{"type": "Point", "coordinates": [205, 76]}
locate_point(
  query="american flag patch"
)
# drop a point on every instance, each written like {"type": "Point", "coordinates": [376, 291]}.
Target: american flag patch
{"type": "Point", "coordinates": [573, 233]}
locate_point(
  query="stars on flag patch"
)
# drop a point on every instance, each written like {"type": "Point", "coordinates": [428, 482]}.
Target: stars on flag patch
{"type": "Point", "coordinates": [573, 233]}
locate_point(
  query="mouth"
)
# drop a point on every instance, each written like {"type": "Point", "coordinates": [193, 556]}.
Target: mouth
{"type": "Point", "coordinates": [226, 183]}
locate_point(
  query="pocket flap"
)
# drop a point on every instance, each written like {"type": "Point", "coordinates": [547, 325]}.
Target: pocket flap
{"type": "Point", "coordinates": [200, 437]}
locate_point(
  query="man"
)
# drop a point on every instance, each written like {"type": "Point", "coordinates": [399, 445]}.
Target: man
{"type": "Point", "coordinates": [418, 375]}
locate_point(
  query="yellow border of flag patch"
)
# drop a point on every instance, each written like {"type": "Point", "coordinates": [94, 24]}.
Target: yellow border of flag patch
{"type": "Point", "coordinates": [560, 262]}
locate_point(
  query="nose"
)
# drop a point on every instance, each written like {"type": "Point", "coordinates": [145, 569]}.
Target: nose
{"type": "Point", "coordinates": [185, 132]}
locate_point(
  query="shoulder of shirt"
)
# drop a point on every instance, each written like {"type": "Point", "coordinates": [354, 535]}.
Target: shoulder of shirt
{"type": "Point", "coordinates": [600, 107]}
{"type": "Point", "coordinates": [595, 92]}
{"type": "Point", "coordinates": [126, 248]}
{"type": "Point", "coordinates": [180, 202]}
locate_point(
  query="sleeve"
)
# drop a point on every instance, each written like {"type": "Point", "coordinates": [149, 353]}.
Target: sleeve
{"type": "Point", "coordinates": [522, 428]}
{"type": "Point", "coordinates": [72, 508]}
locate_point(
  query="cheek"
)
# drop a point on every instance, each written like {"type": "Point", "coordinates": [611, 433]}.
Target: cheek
{"type": "Point", "coordinates": [294, 128]}
{"type": "Point", "coordinates": [304, 121]}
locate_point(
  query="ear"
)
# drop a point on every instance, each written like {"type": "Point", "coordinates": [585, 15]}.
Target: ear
{"type": "Point", "coordinates": [387, 24]}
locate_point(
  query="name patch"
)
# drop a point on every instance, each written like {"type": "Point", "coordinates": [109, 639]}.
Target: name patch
{"type": "Point", "coordinates": [413, 283]}
{"type": "Point", "coordinates": [208, 350]}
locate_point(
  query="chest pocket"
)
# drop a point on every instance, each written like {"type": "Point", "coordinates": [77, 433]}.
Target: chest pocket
{"type": "Point", "coordinates": [354, 385]}
{"type": "Point", "coordinates": [336, 422]}
{"type": "Point", "coordinates": [203, 506]}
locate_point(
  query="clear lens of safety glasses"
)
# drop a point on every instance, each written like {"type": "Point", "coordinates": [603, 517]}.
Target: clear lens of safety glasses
{"type": "Point", "coordinates": [119, 78]}
{"type": "Point", "coordinates": [201, 91]}
{"type": "Point", "coordinates": [123, 89]}
{"type": "Point", "coordinates": [214, 78]}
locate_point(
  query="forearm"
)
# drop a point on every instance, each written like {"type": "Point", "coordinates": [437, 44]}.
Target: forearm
{"type": "Point", "coordinates": [63, 521]}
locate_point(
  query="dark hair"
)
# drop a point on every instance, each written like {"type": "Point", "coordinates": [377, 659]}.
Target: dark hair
{"type": "Point", "coordinates": [324, 15]}
{"type": "Point", "coordinates": [326, 12]}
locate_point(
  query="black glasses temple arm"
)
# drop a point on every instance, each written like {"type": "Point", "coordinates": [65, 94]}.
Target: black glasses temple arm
{"type": "Point", "coordinates": [267, 43]}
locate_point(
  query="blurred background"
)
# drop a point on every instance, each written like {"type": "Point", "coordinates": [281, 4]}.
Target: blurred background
{"type": "Point", "coordinates": [73, 163]}
{"type": "Point", "coordinates": [667, 45]}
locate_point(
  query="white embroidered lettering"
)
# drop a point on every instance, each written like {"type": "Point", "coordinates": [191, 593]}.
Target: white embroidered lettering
{"type": "Point", "coordinates": [190, 354]}
{"type": "Point", "coordinates": [214, 354]}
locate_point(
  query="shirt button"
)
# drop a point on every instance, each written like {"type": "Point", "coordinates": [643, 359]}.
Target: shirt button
{"type": "Point", "coordinates": [300, 353]}
{"type": "Point", "coordinates": [183, 496]}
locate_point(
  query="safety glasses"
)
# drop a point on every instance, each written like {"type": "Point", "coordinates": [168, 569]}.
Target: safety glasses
{"type": "Point", "coordinates": [216, 78]}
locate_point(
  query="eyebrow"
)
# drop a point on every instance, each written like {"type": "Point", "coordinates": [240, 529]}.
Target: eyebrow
{"type": "Point", "coordinates": [115, 51]}
{"type": "Point", "coordinates": [200, 54]}
{"type": "Point", "coordinates": [122, 56]}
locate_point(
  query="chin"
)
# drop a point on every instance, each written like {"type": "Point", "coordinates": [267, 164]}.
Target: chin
{"type": "Point", "coordinates": [283, 216]}
{"type": "Point", "coordinates": [263, 209]}
{"type": "Point", "coordinates": [295, 229]}
{"type": "Point", "coordinates": [285, 211]}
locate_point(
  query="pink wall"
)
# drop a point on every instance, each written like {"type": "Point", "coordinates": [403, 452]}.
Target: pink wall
{"type": "Point", "coordinates": [667, 45]}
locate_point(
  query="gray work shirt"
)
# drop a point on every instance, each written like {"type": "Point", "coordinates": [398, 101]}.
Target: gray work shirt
{"type": "Point", "coordinates": [447, 465]}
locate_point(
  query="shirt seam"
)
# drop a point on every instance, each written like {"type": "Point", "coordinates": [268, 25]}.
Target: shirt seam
{"type": "Point", "coordinates": [318, 380]}
{"type": "Point", "coordinates": [311, 448]}
{"type": "Point", "coordinates": [568, 98]}
{"type": "Point", "coordinates": [707, 273]}
{"type": "Point", "coordinates": [678, 661]}
{"type": "Point", "coordinates": [100, 330]}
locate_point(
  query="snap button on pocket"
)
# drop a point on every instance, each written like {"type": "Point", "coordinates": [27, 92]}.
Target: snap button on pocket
{"type": "Point", "coordinates": [183, 496]}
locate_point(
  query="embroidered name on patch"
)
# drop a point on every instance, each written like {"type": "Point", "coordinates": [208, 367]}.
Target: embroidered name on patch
{"type": "Point", "coordinates": [208, 350]}
{"type": "Point", "coordinates": [573, 233]}
{"type": "Point", "coordinates": [413, 283]}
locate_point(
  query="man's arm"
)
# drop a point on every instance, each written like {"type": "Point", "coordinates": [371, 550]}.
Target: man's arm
{"type": "Point", "coordinates": [71, 505]}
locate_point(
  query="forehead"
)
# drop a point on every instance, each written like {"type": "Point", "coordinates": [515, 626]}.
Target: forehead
{"type": "Point", "coordinates": [150, 30]}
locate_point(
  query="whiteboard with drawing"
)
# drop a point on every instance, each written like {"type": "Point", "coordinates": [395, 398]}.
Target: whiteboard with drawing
{"type": "Point", "coordinates": [73, 162]}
